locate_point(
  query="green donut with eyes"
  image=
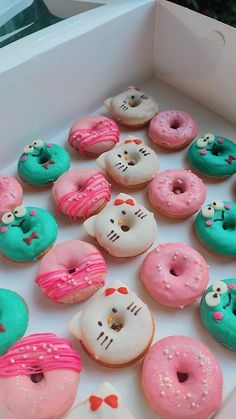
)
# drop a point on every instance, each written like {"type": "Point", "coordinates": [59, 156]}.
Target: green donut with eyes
{"type": "Point", "coordinates": [213, 155]}
{"type": "Point", "coordinates": [42, 164]}
{"type": "Point", "coordinates": [216, 227]}
{"type": "Point", "coordinates": [27, 233]}
{"type": "Point", "coordinates": [218, 312]}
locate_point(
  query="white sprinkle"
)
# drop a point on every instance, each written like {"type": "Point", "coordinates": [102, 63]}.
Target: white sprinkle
{"type": "Point", "coordinates": [167, 286]}
{"type": "Point", "coordinates": [177, 353]}
{"type": "Point", "coordinates": [54, 349]}
{"type": "Point", "coordinates": [162, 393]}
{"type": "Point", "coordinates": [177, 392]}
{"type": "Point", "coordinates": [23, 365]}
{"type": "Point", "coordinates": [166, 351]}
{"type": "Point", "coordinates": [170, 357]}
{"type": "Point", "coordinates": [157, 250]}
{"type": "Point", "coordinates": [56, 357]}
{"type": "Point", "coordinates": [12, 361]}
{"type": "Point", "coordinates": [169, 204]}
{"type": "Point", "coordinates": [174, 257]}
{"type": "Point", "coordinates": [178, 405]}
{"type": "Point", "coordinates": [24, 356]}
{"type": "Point", "coordinates": [186, 284]}
{"type": "Point", "coordinates": [41, 357]}
{"type": "Point", "coordinates": [34, 348]}
{"type": "Point", "coordinates": [205, 392]}
{"type": "Point", "coordinates": [189, 395]}
{"type": "Point", "coordinates": [169, 385]}
{"type": "Point", "coordinates": [49, 350]}
{"type": "Point", "coordinates": [193, 404]}
{"type": "Point", "coordinates": [88, 269]}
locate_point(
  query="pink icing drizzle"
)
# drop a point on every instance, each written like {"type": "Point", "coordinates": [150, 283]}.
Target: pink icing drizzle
{"type": "Point", "coordinates": [39, 353]}
{"type": "Point", "coordinates": [57, 284]}
{"type": "Point", "coordinates": [95, 188]}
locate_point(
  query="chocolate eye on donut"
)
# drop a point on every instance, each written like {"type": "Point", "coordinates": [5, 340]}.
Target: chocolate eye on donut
{"type": "Point", "coordinates": [112, 221]}
{"type": "Point", "coordinates": [100, 323]}
{"type": "Point", "coordinates": [114, 310]}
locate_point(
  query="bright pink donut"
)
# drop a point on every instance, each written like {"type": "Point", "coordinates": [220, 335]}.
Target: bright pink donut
{"type": "Point", "coordinates": [11, 194]}
{"type": "Point", "coordinates": [71, 272]}
{"type": "Point", "coordinates": [39, 376]}
{"type": "Point", "coordinates": [81, 193]}
{"type": "Point", "coordinates": [182, 379]}
{"type": "Point", "coordinates": [93, 135]}
{"type": "Point", "coordinates": [176, 193]}
{"type": "Point", "coordinates": [172, 130]}
{"type": "Point", "coordinates": [174, 274]}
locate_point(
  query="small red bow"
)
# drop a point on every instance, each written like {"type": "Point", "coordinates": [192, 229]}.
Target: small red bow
{"type": "Point", "coordinates": [133, 141]}
{"type": "Point", "coordinates": [29, 239]}
{"type": "Point", "coordinates": [96, 402]}
{"type": "Point", "coordinates": [2, 329]}
{"type": "Point", "coordinates": [230, 159]}
{"type": "Point", "coordinates": [122, 201]}
{"type": "Point", "coordinates": [121, 290]}
{"type": "Point", "coordinates": [46, 165]}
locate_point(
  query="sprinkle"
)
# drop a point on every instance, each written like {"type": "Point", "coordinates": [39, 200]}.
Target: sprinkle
{"type": "Point", "coordinates": [54, 349]}
{"type": "Point", "coordinates": [220, 140]}
{"type": "Point", "coordinates": [185, 257]}
{"type": "Point", "coordinates": [23, 365]}
{"type": "Point", "coordinates": [231, 286]}
{"type": "Point", "coordinates": [169, 385]}
{"type": "Point", "coordinates": [24, 356]}
{"type": "Point", "coordinates": [177, 392]}
{"type": "Point", "coordinates": [41, 357]}
{"type": "Point", "coordinates": [193, 404]}
{"type": "Point", "coordinates": [49, 350]}
{"type": "Point", "coordinates": [167, 286]}
{"type": "Point", "coordinates": [174, 257]}
{"type": "Point", "coordinates": [186, 284]}
{"type": "Point", "coordinates": [33, 212]}
{"type": "Point", "coordinates": [56, 357]}
{"type": "Point", "coordinates": [166, 379]}
{"type": "Point", "coordinates": [23, 158]}
{"type": "Point", "coordinates": [227, 206]}
{"type": "Point", "coordinates": [166, 351]}
{"type": "Point", "coordinates": [203, 152]}
{"type": "Point", "coordinates": [205, 392]}
{"type": "Point", "coordinates": [157, 250]}
{"type": "Point", "coordinates": [4, 229]}
{"type": "Point", "coordinates": [179, 181]}
{"type": "Point", "coordinates": [34, 348]}
{"type": "Point", "coordinates": [12, 361]}
{"type": "Point", "coordinates": [189, 395]}
{"type": "Point", "coordinates": [178, 405]}
{"type": "Point", "coordinates": [48, 145]}
{"type": "Point", "coordinates": [169, 204]}
{"type": "Point", "coordinates": [170, 356]}
{"type": "Point", "coordinates": [177, 353]}
{"type": "Point", "coordinates": [208, 223]}
{"type": "Point", "coordinates": [218, 316]}
{"type": "Point", "coordinates": [162, 393]}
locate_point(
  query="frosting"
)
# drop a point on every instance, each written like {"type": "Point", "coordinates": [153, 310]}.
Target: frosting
{"type": "Point", "coordinates": [26, 233]}
{"type": "Point", "coordinates": [14, 318]}
{"type": "Point", "coordinates": [42, 163]}
{"type": "Point", "coordinates": [218, 309]}
{"type": "Point", "coordinates": [11, 193]}
{"type": "Point", "coordinates": [116, 328]}
{"type": "Point", "coordinates": [216, 225]}
{"type": "Point", "coordinates": [213, 155]}
{"type": "Point", "coordinates": [132, 163]}
{"type": "Point", "coordinates": [124, 228]}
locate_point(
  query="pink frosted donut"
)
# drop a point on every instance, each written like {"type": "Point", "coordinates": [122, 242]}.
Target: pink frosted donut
{"type": "Point", "coordinates": [182, 379]}
{"type": "Point", "coordinates": [11, 194]}
{"type": "Point", "coordinates": [174, 274]}
{"type": "Point", "coordinates": [172, 130]}
{"type": "Point", "coordinates": [71, 272]}
{"type": "Point", "coordinates": [93, 135]}
{"type": "Point", "coordinates": [81, 193]}
{"type": "Point", "coordinates": [39, 376]}
{"type": "Point", "coordinates": [176, 193]}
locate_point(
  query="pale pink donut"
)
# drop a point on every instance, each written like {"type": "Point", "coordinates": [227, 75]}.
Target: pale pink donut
{"type": "Point", "coordinates": [182, 379]}
{"type": "Point", "coordinates": [174, 274]}
{"type": "Point", "coordinates": [81, 193]}
{"type": "Point", "coordinates": [11, 194]}
{"type": "Point", "coordinates": [93, 135]}
{"type": "Point", "coordinates": [71, 272]}
{"type": "Point", "coordinates": [39, 376]}
{"type": "Point", "coordinates": [176, 193]}
{"type": "Point", "coordinates": [172, 130]}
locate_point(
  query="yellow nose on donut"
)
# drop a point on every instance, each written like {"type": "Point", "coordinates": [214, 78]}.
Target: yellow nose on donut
{"type": "Point", "coordinates": [126, 157]}
{"type": "Point", "coordinates": [109, 319]}
{"type": "Point", "coordinates": [120, 221]}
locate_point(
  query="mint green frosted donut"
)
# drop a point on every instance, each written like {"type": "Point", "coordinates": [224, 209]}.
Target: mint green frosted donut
{"type": "Point", "coordinates": [41, 164]}
{"type": "Point", "coordinates": [216, 227]}
{"type": "Point", "coordinates": [14, 318]}
{"type": "Point", "coordinates": [213, 155]}
{"type": "Point", "coordinates": [27, 233]}
{"type": "Point", "coordinates": [218, 312]}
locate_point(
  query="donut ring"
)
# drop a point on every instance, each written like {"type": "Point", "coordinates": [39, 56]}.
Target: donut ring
{"type": "Point", "coordinates": [176, 193]}
{"type": "Point", "coordinates": [174, 274]}
{"type": "Point", "coordinates": [27, 233]}
{"type": "Point", "coordinates": [71, 272]}
{"type": "Point", "coordinates": [39, 376]}
{"type": "Point", "coordinates": [11, 194]}
{"type": "Point", "coordinates": [182, 379]}
{"type": "Point", "coordinates": [172, 130]}
{"type": "Point", "coordinates": [81, 193]}
{"type": "Point", "coordinates": [41, 163]}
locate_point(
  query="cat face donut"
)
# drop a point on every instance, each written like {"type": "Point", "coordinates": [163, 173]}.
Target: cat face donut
{"type": "Point", "coordinates": [213, 156]}
{"type": "Point", "coordinates": [39, 376]}
{"type": "Point", "coordinates": [182, 379]}
{"type": "Point", "coordinates": [116, 328]}
{"type": "Point", "coordinates": [42, 163]}
{"type": "Point", "coordinates": [71, 272]}
{"type": "Point", "coordinates": [132, 107]}
{"type": "Point", "coordinates": [104, 403]}
{"type": "Point", "coordinates": [27, 233]}
{"type": "Point", "coordinates": [131, 164]}
{"type": "Point", "coordinates": [217, 310]}
{"type": "Point", "coordinates": [93, 135]}
{"type": "Point", "coordinates": [124, 228]}
{"type": "Point", "coordinates": [11, 194]}
{"type": "Point", "coordinates": [215, 226]}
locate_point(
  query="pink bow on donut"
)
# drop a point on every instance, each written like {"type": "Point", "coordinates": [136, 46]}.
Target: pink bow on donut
{"type": "Point", "coordinates": [122, 201]}
{"type": "Point", "coordinates": [133, 141]}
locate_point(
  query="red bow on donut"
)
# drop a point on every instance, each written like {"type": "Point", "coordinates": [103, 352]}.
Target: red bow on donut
{"type": "Point", "coordinates": [230, 159]}
{"type": "Point", "coordinates": [133, 141]}
{"type": "Point", "coordinates": [46, 165]}
{"type": "Point", "coordinates": [29, 239]}
{"type": "Point", "coordinates": [2, 329]}
{"type": "Point", "coordinates": [121, 290]}
{"type": "Point", "coordinates": [122, 201]}
{"type": "Point", "coordinates": [96, 402]}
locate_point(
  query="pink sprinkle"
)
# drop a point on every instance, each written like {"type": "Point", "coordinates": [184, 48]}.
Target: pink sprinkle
{"type": "Point", "coordinates": [23, 158]}
{"type": "Point", "coordinates": [203, 152]}
{"type": "Point", "coordinates": [4, 229]}
{"type": "Point", "coordinates": [208, 223]}
{"type": "Point", "coordinates": [231, 286]}
{"type": "Point", "coordinates": [33, 212]}
{"type": "Point", "coordinates": [220, 140]}
{"type": "Point", "coordinates": [228, 206]}
{"type": "Point", "coordinates": [218, 316]}
{"type": "Point", "coordinates": [48, 145]}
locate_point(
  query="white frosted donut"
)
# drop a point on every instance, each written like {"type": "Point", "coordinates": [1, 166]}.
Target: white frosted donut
{"type": "Point", "coordinates": [132, 107]}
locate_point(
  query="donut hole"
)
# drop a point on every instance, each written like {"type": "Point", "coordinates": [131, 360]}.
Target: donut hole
{"type": "Point", "coordinates": [125, 228]}
{"type": "Point", "coordinates": [217, 151]}
{"type": "Point", "coordinates": [182, 376]}
{"type": "Point", "coordinates": [176, 270]}
{"type": "Point", "coordinates": [71, 271]}
{"type": "Point", "coordinates": [115, 322]}
{"type": "Point", "coordinates": [37, 377]}
{"type": "Point", "coordinates": [134, 101]}
{"type": "Point", "coordinates": [234, 309]}
{"type": "Point", "coordinates": [178, 187]}
{"type": "Point", "coordinates": [229, 225]}
{"type": "Point", "coordinates": [131, 162]}
{"type": "Point", "coordinates": [175, 124]}
{"type": "Point", "coordinates": [25, 225]}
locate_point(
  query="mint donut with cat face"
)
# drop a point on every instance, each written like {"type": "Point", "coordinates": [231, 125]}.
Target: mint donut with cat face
{"type": "Point", "coordinates": [218, 312]}
{"type": "Point", "coordinates": [27, 233]}
{"type": "Point", "coordinates": [213, 155]}
{"type": "Point", "coordinates": [216, 227]}
{"type": "Point", "coordinates": [42, 163]}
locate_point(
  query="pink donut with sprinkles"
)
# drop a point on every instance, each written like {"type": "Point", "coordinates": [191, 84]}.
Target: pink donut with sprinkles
{"type": "Point", "coordinates": [80, 193]}
{"type": "Point", "coordinates": [172, 130]}
{"type": "Point", "coordinates": [182, 379]}
{"type": "Point", "coordinates": [11, 194]}
{"type": "Point", "coordinates": [93, 135]}
{"type": "Point", "coordinates": [39, 376]}
{"type": "Point", "coordinates": [174, 274]}
{"type": "Point", "coordinates": [176, 193]}
{"type": "Point", "coordinates": [71, 272]}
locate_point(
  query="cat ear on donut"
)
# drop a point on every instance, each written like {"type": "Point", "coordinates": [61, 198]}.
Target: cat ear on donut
{"type": "Point", "coordinates": [74, 325]}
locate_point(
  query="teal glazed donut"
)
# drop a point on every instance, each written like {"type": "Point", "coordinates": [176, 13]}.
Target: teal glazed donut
{"type": "Point", "coordinates": [213, 155]}
{"type": "Point", "coordinates": [13, 319]}
{"type": "Point", "coordinates": [41, 163]}
{"type": "Point", "coordinates": [216, 227]}
{"type": "Point", "coordinates": [218, 311]}
{"type": "Point", "coordinates": [27, 233]}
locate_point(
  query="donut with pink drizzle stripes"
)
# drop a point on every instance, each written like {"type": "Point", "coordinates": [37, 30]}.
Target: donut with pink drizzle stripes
{"type": "Point", "coordinates": [81, 193]}
{"type": "Point", "coordinates": [39, 376]}
{"type": "Point", "coordinates": [71, 272]}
